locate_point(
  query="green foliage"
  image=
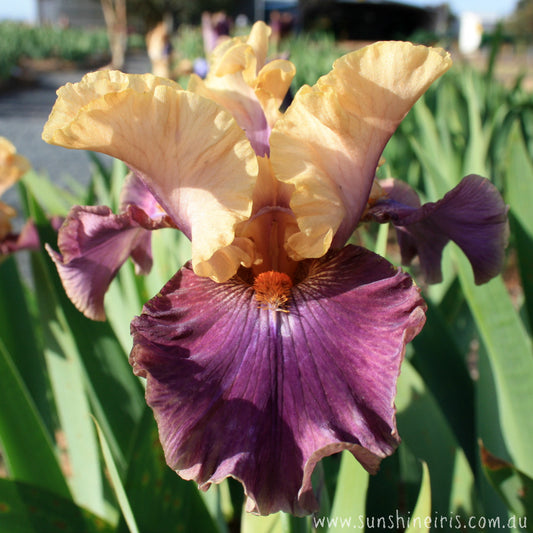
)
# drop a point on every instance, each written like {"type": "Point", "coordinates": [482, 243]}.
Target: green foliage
{"type": "Point", "coordinates": [313, 55]}
{"type": "Point", "coordinates": [188, 42]}
{"type": "Point", "coordinates": [18, 41]}
{"type": "Point", "coordinates": [515, 487]}
{"type": "Point", "coordinates": [468, 377]}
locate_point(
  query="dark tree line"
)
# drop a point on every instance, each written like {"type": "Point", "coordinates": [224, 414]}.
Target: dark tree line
{"type": "Point", "coordinates": [183, 11]}
{"type": "Point", "coordinates": [520, 23]}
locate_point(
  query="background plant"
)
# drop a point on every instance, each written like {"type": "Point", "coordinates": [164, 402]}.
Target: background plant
{"type": "Point", "coordinates": [81, 46]}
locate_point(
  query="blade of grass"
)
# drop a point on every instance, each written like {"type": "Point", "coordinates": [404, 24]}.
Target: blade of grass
{"type": "Point", "coordinates": [116, 482]}
{"type": "Point", "coordinates": [381, 240]}
{"type": "Point", "coordinates": [475, 159]}
{"type": "Point", "coordinates": [420, 519]}
{"type": "Point", "coordinates": [427, 435]}
{"type": "Point", "coordinates": [68, 386]}
{"type": "Point", "coordinates": [54, 199]}
{"type": "Point", "coordinates": [442, 366]}
{"type": "Point", "coordinates": [261, 524]}
{"type": "Point", "coordinates": [157, 495]}
{"type": "Point", "coordinates": [509, 350]}
{"type": "Point", "coordinates": [350, 496]}
{"type": "Point", "coordinates": [20, 340]}
{"type": "Point", "coordinates": [115, 394]}
{"type": "Point", "coordinates": [515, 488]}
{"type": "Point", "coordinates": [518, 193]}
{"type": "Point", "coordinates": [29, 509]}
{"type": "Point", "coordinates": [27, 448]}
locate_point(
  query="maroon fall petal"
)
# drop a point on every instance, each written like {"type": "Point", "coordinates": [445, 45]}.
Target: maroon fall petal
{"type": "Point", "coordinates": [260, 395]}
{"type": "Point", "coordinates": [93, 244]}
{"type": "Point", "coordinates": [27, 239]}
{"type": "Point", "coordinates": [473, 215]}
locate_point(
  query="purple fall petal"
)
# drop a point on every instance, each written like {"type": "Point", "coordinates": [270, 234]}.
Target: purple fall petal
{"type": "Point", "coordinates": [141, 255]}
{"type": "Point", "coordinates": [136, 195]}
{"type": "Point", "coordinates": [262, 396]}
{"type": "Point", "coordinates": [473, 215]}
{"type": "Point", "coordinates": [27, 239]}
{"type": "Point", "coordinates": [135, 192]}
{"type": "Point", "coordinates": [93, 244]}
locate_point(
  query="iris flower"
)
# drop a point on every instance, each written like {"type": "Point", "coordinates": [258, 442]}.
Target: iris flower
{"type": "Point", "coordinates": [12, 167]}
{"type": "Point", "coordinates": [278, 344]}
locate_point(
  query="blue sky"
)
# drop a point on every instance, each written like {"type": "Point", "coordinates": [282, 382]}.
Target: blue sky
{"type": "Point", "coordinates": [26, 9]}
{"type": "Point", "coordinates": [21, 9]}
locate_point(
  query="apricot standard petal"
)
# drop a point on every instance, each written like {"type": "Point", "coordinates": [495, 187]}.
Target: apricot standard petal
{"type": "Point", "coordinates": [188, 150]}
{"type": "Point", "coordinates": [329, 141]}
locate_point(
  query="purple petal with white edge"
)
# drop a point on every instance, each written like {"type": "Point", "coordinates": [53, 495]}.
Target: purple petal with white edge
{"type": "Point", "coordinates": [93, 244]}
{"type": "Point", "coordinates": [473, 215]}
{"type": "Point", "coordinates": [262, 396]}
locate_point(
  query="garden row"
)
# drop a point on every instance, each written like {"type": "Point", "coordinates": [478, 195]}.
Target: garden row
{"type": "Point", "coordinates": [22, 43]}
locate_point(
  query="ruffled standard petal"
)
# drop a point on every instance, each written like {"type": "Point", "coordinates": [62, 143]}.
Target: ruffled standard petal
{"type": "Point", "coordinates": [262, 396]}
{"type": "Point", "coordinates": [251, 90]}
{"type": "Point", "coordinates": [473, 215]}
{"type": "Point", "coordinates": [272, 85]}
{"type": "Point", "coordinates": [329, 141]}
{"type": "Point", "coordinates": [188, 150]}
{"type": "Point", "coordinates": [93, 244]}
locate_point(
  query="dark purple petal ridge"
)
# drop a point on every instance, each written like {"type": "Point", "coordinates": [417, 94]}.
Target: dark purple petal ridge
{"type": "Point", "coordinates": [93, 244]}
{"type": "Point", "coordinates": [261, 395]}
{"type": "Point", "coordinates": [473, 215]}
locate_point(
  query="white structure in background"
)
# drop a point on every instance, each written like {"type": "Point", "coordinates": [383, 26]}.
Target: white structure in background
{"type": "Point", "coordinates": [470, 32]}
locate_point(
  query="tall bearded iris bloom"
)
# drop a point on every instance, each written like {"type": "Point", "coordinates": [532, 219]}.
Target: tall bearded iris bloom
{"type": "Point", "coordinates": [278, 344]}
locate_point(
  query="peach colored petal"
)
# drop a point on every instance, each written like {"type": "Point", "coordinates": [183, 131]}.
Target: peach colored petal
{"type": "Point", "coordinates": [258, 40]}
{"type": "Point", "coordinates": [268, 190]}
{"type": "Point", "coordinates": [234, 94]}
{"type": "Point", "coordinates": [270, 224]}
{"type": "Point", "coordinates": [12, 165]}
{"type": "Point", "coordinates": [241, 54]}
{"type": "Point", "coordinates": [230, 57]}
{"type": "Point", "coordinates": [329, 142]}
{"type": "Point", "coordinates": [74, 96]}
{"type": "Point", "coordinates": [251, 90]}
{"type": "Point", "coordinates": [188, 150]}
{"type": "Point", "coordinates": [220, 267]}
{"type": "Point", "coordinates": [271, 86]}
